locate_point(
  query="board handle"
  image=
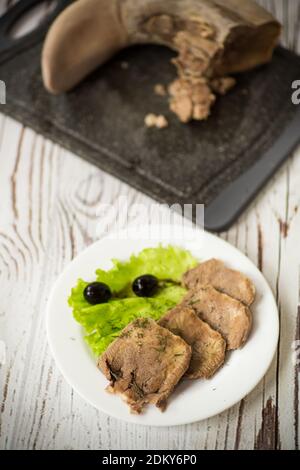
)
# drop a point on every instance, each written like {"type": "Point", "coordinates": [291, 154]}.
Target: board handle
{"type": "Point", "coordinates": [10, 45]}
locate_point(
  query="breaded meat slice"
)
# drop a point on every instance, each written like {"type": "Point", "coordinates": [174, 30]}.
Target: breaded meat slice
{"type": "Point", "coordinates": [229, 281]}
{"type": "Point", "coordinates": [230, 317]}
{"type": "Point", "coordinates": [208, 346]}
{"type": "Point", "coordinates": [145, 363]}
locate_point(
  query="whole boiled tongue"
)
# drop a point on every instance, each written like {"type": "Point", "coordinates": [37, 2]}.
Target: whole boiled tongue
{"type": "Point", "coordinates": [213, 38]}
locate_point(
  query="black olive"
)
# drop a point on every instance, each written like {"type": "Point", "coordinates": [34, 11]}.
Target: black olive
{"type": "Point", "coordinates": [97, 293]}
{"type": "Point", "coordinates": [145, 286]}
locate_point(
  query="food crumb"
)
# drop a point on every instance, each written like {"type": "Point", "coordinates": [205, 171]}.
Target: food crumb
{"type": "Point", "coordinates": [154, 120]}
{"type": "Point", "coordinates": [160, 90]}
{"type": "Point", "coordinates": [223, 84]}
{"type": "Point", "coordinates": [124, 65]}
{"type": "Point", "coordinates": [190, 99]}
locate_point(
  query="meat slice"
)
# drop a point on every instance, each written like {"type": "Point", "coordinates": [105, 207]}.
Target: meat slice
{"type": "Point", "coordinates": [145, 363]}
{"type": "Point", "coordinates": [208, 346]}
{"type": "Point", "coordinates": [228, 316]}
{"type": "Point", "coordinates": [226, 280]}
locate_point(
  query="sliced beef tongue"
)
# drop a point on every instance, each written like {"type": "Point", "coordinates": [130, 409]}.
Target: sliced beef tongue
{"type": "Point", "coordinates": [208, 346]}
{"type": "Point", "coordinates": [222, 278]}
{"type": "Point", "coordinates": [145, 363]}
{"type": "Point", "coordinates": [230, 317]}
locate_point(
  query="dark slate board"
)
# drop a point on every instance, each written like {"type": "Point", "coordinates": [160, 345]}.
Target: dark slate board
{"type": "Point", "coordinates": [221, 162]}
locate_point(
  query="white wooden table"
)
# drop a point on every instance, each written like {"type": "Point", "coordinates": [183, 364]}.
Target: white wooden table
{"type": "Point", "coordinates": [49, 200]}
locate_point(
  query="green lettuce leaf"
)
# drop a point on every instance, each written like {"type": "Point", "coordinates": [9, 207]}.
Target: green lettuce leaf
{"type": "Point", "coordinates": [163, 262]}
{"type": "Point", "coordinates": [104, 322]}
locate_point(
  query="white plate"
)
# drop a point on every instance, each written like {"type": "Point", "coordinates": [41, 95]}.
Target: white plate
{"type": "Point", "coordinates": [193, 400]}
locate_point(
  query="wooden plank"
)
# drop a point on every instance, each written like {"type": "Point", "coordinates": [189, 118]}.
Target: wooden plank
{"type": "Point", "coordinates": [49, 205]}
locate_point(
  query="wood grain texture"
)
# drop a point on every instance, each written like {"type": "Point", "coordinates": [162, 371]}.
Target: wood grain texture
{"type": "Point", "coordinates": [49, 202]}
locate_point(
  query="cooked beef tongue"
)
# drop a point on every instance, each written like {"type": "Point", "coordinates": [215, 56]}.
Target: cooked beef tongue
{"type": "Point", "coordinates": [228, 316]}
{"type": "Point", "coordinates": [145, 363]}
{"type": "Point", "coordinates": [208, 346]}
{"type": "Point", "coordinates": [224, 279]}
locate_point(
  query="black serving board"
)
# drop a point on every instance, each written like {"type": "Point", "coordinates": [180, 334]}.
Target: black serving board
{"type": "Point", "coordinates": [221, 162]}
